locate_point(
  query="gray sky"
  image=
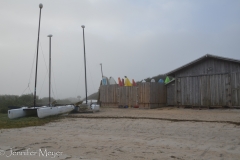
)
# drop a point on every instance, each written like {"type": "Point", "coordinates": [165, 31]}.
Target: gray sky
{"type": "Point", "coordinates": [136, 38]}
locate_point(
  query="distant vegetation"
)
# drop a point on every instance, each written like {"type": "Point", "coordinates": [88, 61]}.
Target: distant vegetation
{"type": "Point", "coordinates": [93, 96]}
{"type": "Point", "coordinates": [27, 100]}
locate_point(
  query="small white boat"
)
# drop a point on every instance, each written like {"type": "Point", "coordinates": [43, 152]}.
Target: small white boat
{"type": "Point", "coordinates": [41, 112]}
{"type": "Point", "coordinates": [95, 107]}
{"type": "Point", "coordinates": [28, 111]}
{"type": "Point", "coordinates": [44, 111]}
{"type": "Point", "coordinates": [92, 104]}
{"type": "Point", "coordinates": [50, 111]}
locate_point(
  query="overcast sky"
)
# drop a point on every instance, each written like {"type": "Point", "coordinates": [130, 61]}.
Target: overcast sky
{"type": "Point", "coordinates": [134, 38]}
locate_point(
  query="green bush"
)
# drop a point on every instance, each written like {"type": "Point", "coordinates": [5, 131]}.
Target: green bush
{"type": "Point", "coordinates": [3, 110]}
{"type": "Point", "coordinates": [14, 100]}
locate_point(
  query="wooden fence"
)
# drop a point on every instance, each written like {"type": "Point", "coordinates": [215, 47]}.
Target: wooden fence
{"type": "Point", "coordinates": [144, 95]}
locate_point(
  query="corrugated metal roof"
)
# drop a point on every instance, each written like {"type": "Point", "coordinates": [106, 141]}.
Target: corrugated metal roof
{"type": "Point", "coordinates": [201, 58]}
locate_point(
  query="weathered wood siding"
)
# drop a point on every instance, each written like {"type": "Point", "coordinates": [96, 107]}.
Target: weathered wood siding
{"type": "Point", "coordinates": [235, 89]}
{"type": "Point", "coordinates": [152, 95]}
{"type": "Point", "coordinates": [127, 96]}
{"type": "Point", "coordinates": [112, 96]}
{"type": "Point", "coordinates": [171, 93]}
{"type": "Point", "coordinates": [208, 90]}
{"type": "Point", "coordinates": [208, 67]}
{"type": "Point", "coordinates": [144, 95]}
{"type": "Point", "coordinates": [210, 82]}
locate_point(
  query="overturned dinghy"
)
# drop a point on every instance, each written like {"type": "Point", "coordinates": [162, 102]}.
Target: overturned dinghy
{"type": "Point", "coordinates": [51, 111]}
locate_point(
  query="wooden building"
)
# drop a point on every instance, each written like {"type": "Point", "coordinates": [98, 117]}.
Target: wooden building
{"type": "Point", "coordinates": [208, 81]}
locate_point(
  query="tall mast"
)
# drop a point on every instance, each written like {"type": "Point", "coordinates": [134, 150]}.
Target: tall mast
{"type": "Point", "coordinates": [101, 69]}
{"type": "Point", "coordinates": [85, 62]}
{"type": "Point", "coordinates": [34, 103]}
{"type": "Point", "coordinates": [49, 69]}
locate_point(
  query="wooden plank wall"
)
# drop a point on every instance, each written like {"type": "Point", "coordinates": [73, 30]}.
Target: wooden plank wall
{"type": "Point", "coordinates": [144, 95]}
{"type": "Point", "coordinates": [158, 95]}
{"type": "Point", "coordinates": [235, 89]}
{"type": "Point", "coordinates": [171, 93]}
{"type": "Point", "coordinates": [127, 96]}
{"type": "Point", "coordinates": [208, 90]}
{"type": "Point", "coordinates": [109, 95]}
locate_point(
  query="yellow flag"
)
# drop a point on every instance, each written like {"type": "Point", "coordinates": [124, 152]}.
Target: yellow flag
{"type": "Point", "coordinates": [127, 82]}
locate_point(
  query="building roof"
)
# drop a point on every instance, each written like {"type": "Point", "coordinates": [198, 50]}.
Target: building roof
{"type": "Point", "coordinates": [200, 59]}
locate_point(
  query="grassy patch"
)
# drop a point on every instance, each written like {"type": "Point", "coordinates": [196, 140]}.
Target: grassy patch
{"type": "Point", "coordinates": [5, 122]}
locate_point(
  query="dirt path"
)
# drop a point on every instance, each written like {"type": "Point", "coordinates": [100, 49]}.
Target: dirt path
{"type": "Point", "coordinates": [170, 114]}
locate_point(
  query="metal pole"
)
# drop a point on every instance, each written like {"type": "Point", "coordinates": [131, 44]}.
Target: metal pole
{"type": "Point", "coordinates": [34, 103]}
{"type": "Point", "coordinates": [49, 69]}
{"type": "Point", "coordinates": [101, 69]}
{"type": "Point", "coordinates": [85, 62]}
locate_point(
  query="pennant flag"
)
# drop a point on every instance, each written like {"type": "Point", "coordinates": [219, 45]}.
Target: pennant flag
{"type": "Point", "coordinates": [122, 81]}
{"type": "Point", "coordinates": [167, 80]}
{"type": "Point", "coordinates": [133, 83]}
{"type": "Point", "coordinates": [161, 81]}
{"type": "Point", "coordinates": [152, 80]}
{"type": "Point", "coordinates": [127, 82]}
{"type": "Point", "coordinates": [119, 82]}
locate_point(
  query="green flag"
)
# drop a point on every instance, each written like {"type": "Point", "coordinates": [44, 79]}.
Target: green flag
{"type": "Point", "coordinates": [167, 80]}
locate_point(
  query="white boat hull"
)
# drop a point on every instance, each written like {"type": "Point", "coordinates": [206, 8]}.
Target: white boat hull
{"type": "Point", "coordinates": [22, 112]}
{"type": "Point", "coordinates": [51, 111]}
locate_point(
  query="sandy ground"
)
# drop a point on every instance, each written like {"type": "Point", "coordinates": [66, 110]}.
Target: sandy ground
{"type": "Point", "coordinates": [157, 134]}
